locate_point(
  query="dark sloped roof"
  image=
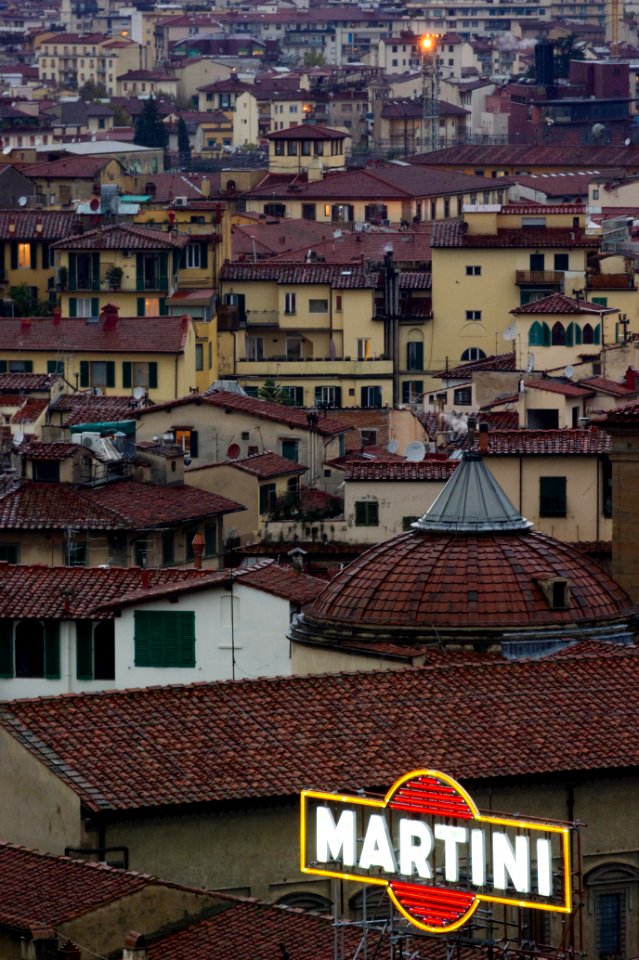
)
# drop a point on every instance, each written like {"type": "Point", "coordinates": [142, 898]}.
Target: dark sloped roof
{"type": "Point", "coordinates": [547, 442]}
{"type": "Point", "coordinates": [306, 131]}
{"type": "Point", "coordinates": [560, 303]}
{"type": "Point", "coordinates": [451, 234]}
{"type": "Point", "coordinates": [351, 277]}
{"type": "Point", "coordinates": [266, 465]}
{"type": "Point", "coordinates": [75, 335]}
{"type": "Point", "coordinates": [87, 408]}
{"type": "Point", "coordinates": [123, 236]}
{"type": "Point", "coordinates": [54, 224]}
{"type": "Point", "coordinates": [401, 470]}
{"type": "Point", "coordinates": [180, 745]}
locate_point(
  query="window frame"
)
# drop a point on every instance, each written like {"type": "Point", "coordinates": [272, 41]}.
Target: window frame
{"type": "Point", "coordinates": [553, 502]}
{"type": "Point", "coordinates": [172, 646]}
{"type": "Point", "coordinates": [366, 513]}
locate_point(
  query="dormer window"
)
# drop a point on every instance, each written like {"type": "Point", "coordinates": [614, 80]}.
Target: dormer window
{"type": "Point", "coordinates": [556, 591]}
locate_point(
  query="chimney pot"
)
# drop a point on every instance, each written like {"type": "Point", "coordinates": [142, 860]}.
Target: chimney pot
{"type": "Point", "coordinates": [145, 579]}
{"type": "Point", "coordinates": [197, 544]}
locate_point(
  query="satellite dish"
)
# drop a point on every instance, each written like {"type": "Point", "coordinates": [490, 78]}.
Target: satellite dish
{"type": "Point", "coordinates": [115, 205]}
{"type": "Point", "coordinates": [337, 234]}
{"type": "Point", "coordinates": [94, 204]}
{"type": "Point", "coordinates": [234, 450]}
{"type": "Point", "coordinates": [531, 362]}
{"type": "Point", "coordinates": [569, 372]}
{"type": "Point", "coordinates": [627, 142]}
{"type": "Point", "coordinates": [415, 451]}
{"type": "Point", "coordinates": [393, 446]}
{"type": "Point", "coordinates": [22, 201]}
{"type": "Point", "coordinates": [6, 151]}
{"type": "Point", "coordinates": [510, 332]}
{"type": "Point", "coordinates": [139, 393]}
{"type": "Point", "coordinates": [359, 227]}
{"type": "Point", "coordinates": [18, 438]}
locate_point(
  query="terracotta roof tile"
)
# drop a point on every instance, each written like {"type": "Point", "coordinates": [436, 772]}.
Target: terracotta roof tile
{"type": "Point", "coordinates": [451, 234]}
{"type": "Point", "coordinates": [547, 442]}
{"type": "Point", "coordinates": [353, 277]}
{"type": "Point", "coordinates": [81, 168]}
{"type": "Point", "coordinates": [629, 413]}
{"type": "Point", "coordinates": [266, 465]}
{"type": "Point", "coordinates": [501, 361]}
{"type": "Point", "coordinates": [604, 385]}
{"type": "Point", "coordinates": [586, 158]}
{"type": "Point", "coordinates": [54, 225]}
{"type": "Point", "coordinates": [471, 719]}
{"type": "Point", "coordinates": [123, 236]}
{"type": "Point", "coordinates": [30, 411]}
{"type": "Point", "coordinates": [57, 450]}
{"type": "Point", "coordinates": [563, 387]}
{"type": "Point", "coordinates": [306, 131]}
{"type": "Point", "coordinates": [402, 470]}
{"type": "Point", "coordinates": [284, 581]}
{"type": "Point", "coordinates": [126, 504]}
{"type": "Point", "coordinates": [73, 335]}
{"type": "Point", "coordinates": [559, 303]}
{"type": "Point", "coordinates": [86, 408]}
{"type": "Point", "coordinates": [24, 383]}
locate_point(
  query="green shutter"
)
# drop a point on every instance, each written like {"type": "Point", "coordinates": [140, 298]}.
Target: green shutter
{"type": "Point", "coordinates": [139, 271]}
{"type": "Point", "coordinates": [84, 649]}
{"type": "Point", "coordinates": [209, 540]}
{"type": "Point", "coordinates": [141, 306]}
{"type": "Point", "coordinates": [34, 256]}
{"type": "Point", "coordinates": [84, 373]}
{"type": "Point", "coordinates": [73, 272]}
{"type": "Point", "coordinates": [204, 255]}
{"type": "Point", "coordinates": [6, 648]}
{"type": "Point", "coordinates": [14, 255]}
{"type": "Point", "coordinates": [95, 306]}
{"type": "Point", "coordinates": [164, 271]}
{"type": "Point", "coordinates": [193, 447]}
{"type": "Point", "coordinates": [3, 366]}
{"type": "Point", "coordinates": [110, 373]}
{"type": "Point", "coordinates": [126, 373]}
{"type": "Point", "coordinates": [46, 260]}
{"type": "Point", "coordinates": [95, 271]}
{"type": "Point", "coordinates": [179, 639]}
{"type": "Point", "coordinates": [164, 308]}
{"type": "Point", "coordinates": [144, 634]}
{"type": "Point", "coordinates": [73, 307]}
{"type": "Point", "coordinates": [153, 375]}
{"type": "Point", "coordinates": [164, 638]}
{"type": "Point", "coordinates": [52, 650]}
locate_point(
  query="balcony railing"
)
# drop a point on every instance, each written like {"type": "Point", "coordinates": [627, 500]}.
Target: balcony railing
{"type": "Point", "coordinates": [262, 318]}
{"type": "Point", "coordinates": [543, 278]}
{"type": "Point", "coordinates": [611, 281]}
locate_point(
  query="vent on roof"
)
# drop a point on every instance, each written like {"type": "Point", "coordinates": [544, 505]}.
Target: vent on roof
{"type": "Point", "coordinates": [181, 202]}
{"type": "Point", "coordinates": [557, 592]}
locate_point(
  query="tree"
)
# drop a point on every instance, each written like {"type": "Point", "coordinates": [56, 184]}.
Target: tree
{"type": "Point", "coordinates": [183, 144]}
{"type": "Point", "coordinates": [314, 58]}
{"type": "Point", "coordinates": [93, 91]}
{"type": "Point", "coordinates": [120, 117]}
{"type": "Point", "coordinates": [272, 391]}
{"type": "Point", "coordinates": [565, 51]}
{"type": "Point", "coordinates": [149, 129]}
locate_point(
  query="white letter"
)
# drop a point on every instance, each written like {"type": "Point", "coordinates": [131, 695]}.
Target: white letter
{"type": "Point", "coordinates": [415, 854]}
{"type": "Point", "coordinates": [451, 837]}
{"type": "Point", "coordinates": [333, 837]}
{"type": "Point", "coordinates": [377, 850]}
{"type": "Point", "coordinates": [514, 861]}
{"type": "Point", "coordinates": [478, 857]}
{"type": "Point", "coordinates": [544, 868]}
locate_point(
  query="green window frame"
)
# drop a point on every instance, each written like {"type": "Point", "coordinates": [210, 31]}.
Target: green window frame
{"type": "Point", "coordinates": [366, 513]}
{"type": "Point", "coordinates": [291, 450]}
{"type": "Point", "coordinates": [55, 366]}
{"type": "Point", "coordinates": [95, 652]}
{"type": "Point", "coordinates": [51, 651]}
{"type": "Point", "coordinates": [164, 638]}
{"type": "Point", "coordinates": [268, 496]}
{"type": "Point", "coordinates": [9, 552]}
{"type": "Point", "coordinates": [553, 500]}
{"type": "Point", "coordinates": [168, 548]}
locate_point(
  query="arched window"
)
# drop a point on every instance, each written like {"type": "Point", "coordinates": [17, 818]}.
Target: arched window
{"type": "Point", "coordinates": [558, 335]}
{"type": "Point", "coordinates": [597, 334]}
{"type": "Point", "coordinates": [573, 335]}
{"type": "Point", "coordinates": [539, 334]}
{"type": "Point", "coordinates": [612, 889]}
{"type": "Point", "coordinates": [304, 900]}
{"type": "Point", "coordinates": [415, 350]}
{"type": "Point", "coordinates": [473, 353]}
{"type": "Point", "coordinates": [588, 333]}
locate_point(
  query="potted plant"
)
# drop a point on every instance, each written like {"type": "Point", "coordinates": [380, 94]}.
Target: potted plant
{"type": "Point", "coordinates": [114, 278]}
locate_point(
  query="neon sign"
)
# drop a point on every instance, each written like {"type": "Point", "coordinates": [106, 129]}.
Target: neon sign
{"type": "Point", "coordinates": [435, 853]}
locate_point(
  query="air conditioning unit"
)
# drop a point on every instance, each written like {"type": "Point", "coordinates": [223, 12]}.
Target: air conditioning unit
{"type": "Point", "coordinates": [181, 201]}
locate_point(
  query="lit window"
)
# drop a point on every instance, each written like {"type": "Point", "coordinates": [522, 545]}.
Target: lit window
{"type": "Point", "coordinates": [24, 256]}
{"type": "Point", "coordinates": [364, 348]}
{"type": "Point", "coordinates": [151, 306]}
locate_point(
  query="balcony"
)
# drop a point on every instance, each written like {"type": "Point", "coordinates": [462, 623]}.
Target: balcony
{"type": "Point", "coordinates": [611, 281]}
{"type": "Point", "coordinates": [539, 278]}
{"type": "Point", "coordinates": [230, 317]}
{"type": "Point", "coordinates": [262, 318]}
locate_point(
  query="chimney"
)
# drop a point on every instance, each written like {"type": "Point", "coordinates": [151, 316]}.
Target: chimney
{"type": "Point", "coordinates": [57, 316]}
{"type": "Point", "coordinates": [483, 438]}
{"type": "Point", "coordinates": [145, 579]}
{"type": "Point", "coordinates": [134, 946]}
{"type": "Point", "coordinates": [198, 549]}
{"type": "Point", "coordinates": [110, 316]}
{"type": "Point", "coordinates": [25, 323]}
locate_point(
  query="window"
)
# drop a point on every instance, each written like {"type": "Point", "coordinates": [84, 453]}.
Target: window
{"type": "Point", "coordinates": [97, 373]}
{"type": "Point", "coordinates": [294, 348]}
{"type": "Point", "coordinates": [164, 638]}
{"type": "Point", "coordinates": [473, 271]}
{"type": "Point", "coordinates": [552, 497]}
{"type": "Point", "coordinates": [55, 366]}
{"type": "Point", "coordinates": [363, 348]}
{"type": "Point", "coordinates": [141, 374]}
{"type": "Point", "coordinates": [88, 307]}
{"type": "Point", "coordinates": [366, 513]}
{"type": "Point", "coordinates": [602, 301]}
{"type": "Point", "coordinates": [255, 348]}
{"type": "Point", "coordinates": [30, 648]}
{"type": "Point", "coordinates": [24, 256]}
{"type": "Point", "coordinates": [275, 209]}
{"type": "Point", "coordinates": [187, 438]}
{"type": "Point", "coordinates": [473, 314]}
{"type": "Point", "coordinates": [318, 306]}
{"type": "Point", "coordinates": [412, 390]}
{"type": "Point", "coordinates": [295, 395]}
{"type": "Point", "coordinates": [308, 211]}
{"type": "Point", "coordinates": [473, 353]}
{"type": "Point", "coordinates": [151, 271]}
{"type": "Point", "coordinates": [168, 548]}
{"type": "Point", "coordinates": [268, 496]}
{"type": "Point", "coordinates": [16, 366]}
{"type": "Point", "coordinates": [371, 397]}
{"type": "Point", "coordinates": [290, 450]}
{"type": "Point", "coordinates": [290, 302]}
{"type": "Point", "coordinates": [558, 335]}
{"type": "Point", "coordinates": [414, 355]}
{"type": "Point", "coordinates": [462, 396]}
{"type": "Point", "coordinates": [193, 256]}
{"type": "Point", "coordinates": [9, 553]}
{"type": "Point", "coordinates": [95, 650]}
{"type": "Point", "coordinates": [46, 471]}
{"type": "Point", "coordinates": [539, 334]}
{"type": "Point", "coordinates": [561, 261]}
{"type": "Point", "coordinates": [368, 437]}
{"type": "Point", "coordinates": [328, 397]}
{"type": "Point", "coordinates": [199, 356]}
{"type": "Point", "coordinates": [75, 554]}
{"type": "Point", "coordinates": [610, 893]}
{"type": "Point", "coordinates": [537, 262]}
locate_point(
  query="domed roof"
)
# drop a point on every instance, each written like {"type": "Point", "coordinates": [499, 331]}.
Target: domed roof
{"type": "Point", "coordinates": [470, 572]}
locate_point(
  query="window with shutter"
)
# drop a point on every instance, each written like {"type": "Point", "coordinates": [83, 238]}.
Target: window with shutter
{"type": "Point", "coordinates": [552, 497]}
{"type": "Point", "coordinates": [366, 513]}
{"type": "Point", "coordinates": [84, 649]}
{"type": "Point", "coordinates": [164, 638]}
{"type": "Point", "coordinates": [6, 648]}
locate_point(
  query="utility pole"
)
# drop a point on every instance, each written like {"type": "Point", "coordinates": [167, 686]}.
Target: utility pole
{"type": "Point", "coordinates": [430, 91]}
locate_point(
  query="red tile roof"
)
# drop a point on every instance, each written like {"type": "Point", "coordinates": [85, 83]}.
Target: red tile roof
{"type": "Point", "coordinates": [180, 744]}
{"type": "Point", "coordinates": [123, 236]}
{"type": "Point", "coordinates": [547, 442]}
{"type": "Point", "coordinates": [501, 361]}
{"type": "Point", "coordinates": [563, 387]}
{"type": "Point", "coordinates": [42, 890]}
{"type": "Point", "coordinates": [407, 108]}
{"type": "Point", "coordinates": [350, 278]}
{"type": "Point", "coordinates": [439, 470]}
{"type": "Point", "coordinates": [524, 157]}
{"type": "Point", "coordinates": [283, 581]}
{"type": "Point", "coordinates": [86, 408]}
{"type": "Point", "coordinates": [123, 505]}
{"type": "Point", "coordinates": [30, 411]}
{"type": "Point", "coordinates": [451, 234]}
{"type": "Point", "coordinates": [235, 402]}
{"type": "Point", "coordinates": [67, 168]}
{"type": "Point", "coordinates": [629, 413]}
{"type": "Point", "coordinates": [267, 465]}
{"type": "Point", "coordinates": [307, 131]}
{"type": "Point", "coordinates": [54, 224]}
{"type": "Point", "coordinates": [603, 385]}
{"type": "Point", "coordinates": [25, 383]}
{"type": "Point", "coordinates": [559, 303]}
{"type": "Point", "coordinates": [75, 335]}
{"type": "Point", "coordinates": [57, 450]}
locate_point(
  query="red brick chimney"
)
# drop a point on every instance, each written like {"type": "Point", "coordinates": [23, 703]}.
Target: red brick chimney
{"type": "Point", "coordinates": [483, 438]}
{"type": "Point", "coordinates": [57, 316]}
{"type": "Point", "coordinates": [110, 316]}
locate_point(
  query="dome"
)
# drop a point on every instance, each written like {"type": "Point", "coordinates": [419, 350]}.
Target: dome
{"type": "Point", "coordinates": [470, 572]}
